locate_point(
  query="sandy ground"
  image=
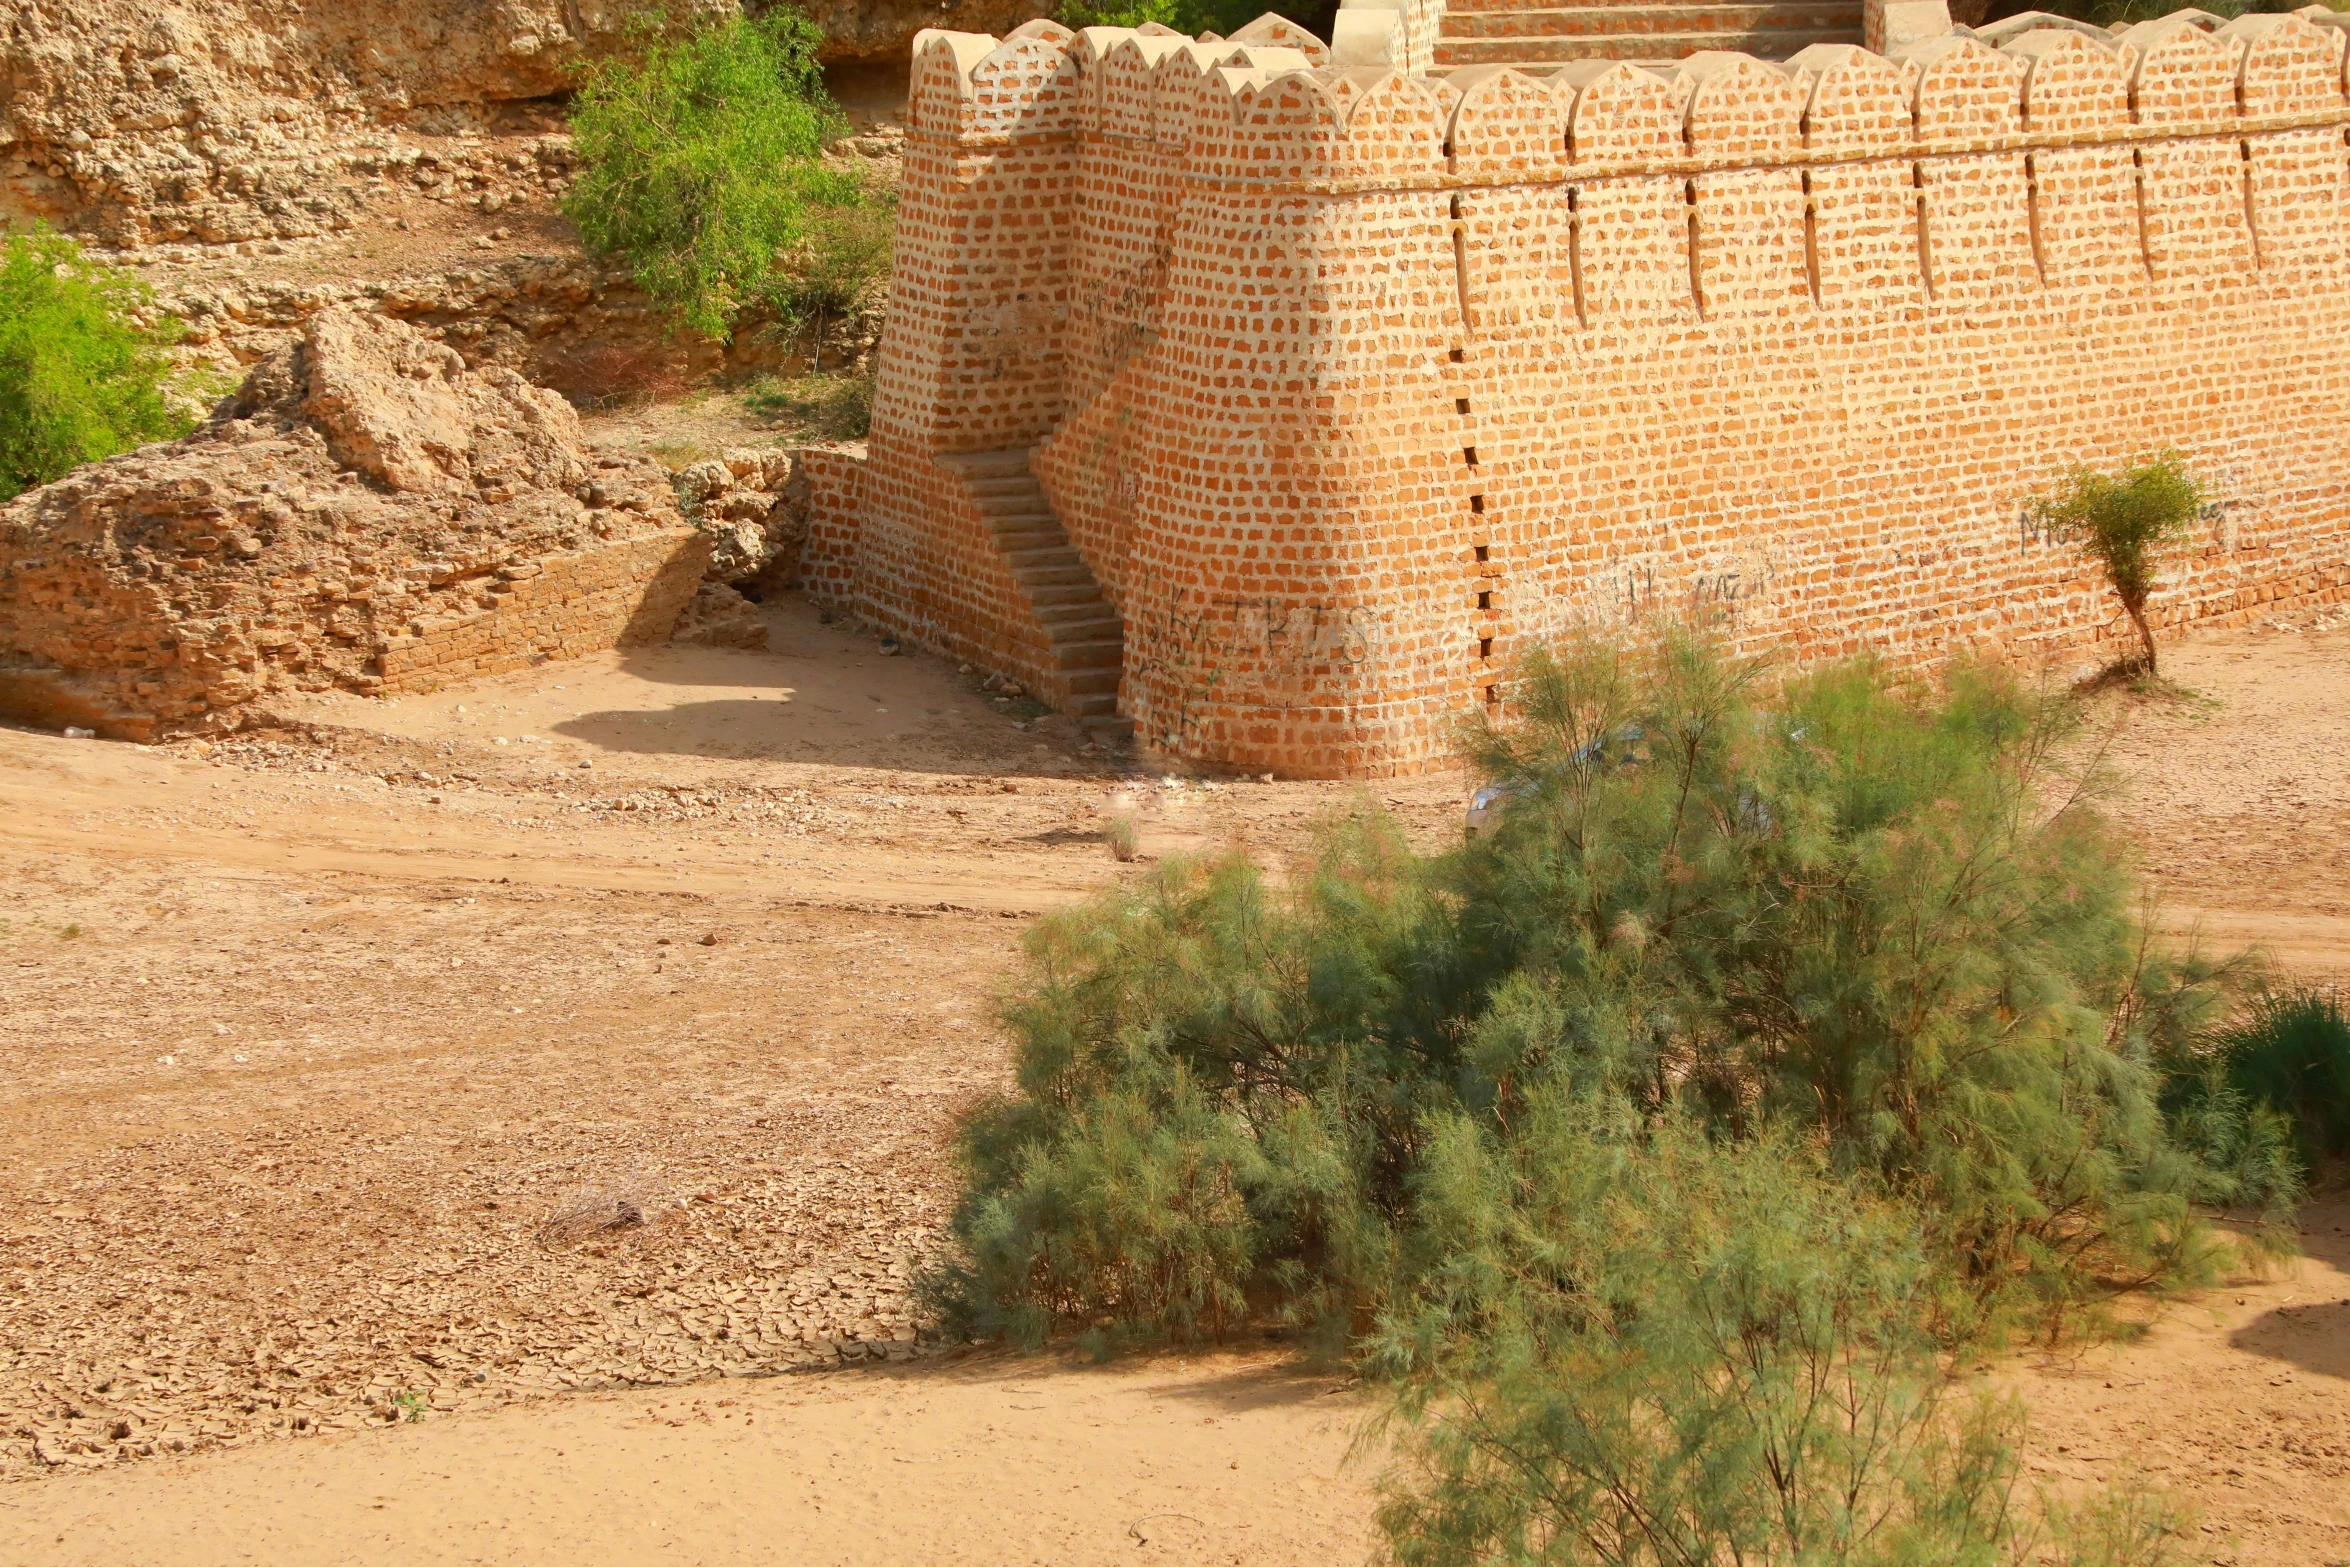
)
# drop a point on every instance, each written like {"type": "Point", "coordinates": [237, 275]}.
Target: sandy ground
{"type": "Point", "coordinates": [2237, 1401]}
{"type": "Point", "coordinates": [1232, 1459]}
{"type": "Point", "coordinates": [391, 1096]}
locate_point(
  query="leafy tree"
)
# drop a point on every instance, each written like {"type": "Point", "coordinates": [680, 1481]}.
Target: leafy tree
{"type": "Point", "coordinates": [2125, 520]}
{"type": "Point", "coordinates": [700, 162]}
{"type": "Point", "coordinates": [1658, 1143]}
{"type": "Point", "coordinates": [85, 364]}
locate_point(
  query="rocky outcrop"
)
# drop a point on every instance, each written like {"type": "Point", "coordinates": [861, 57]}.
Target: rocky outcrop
{"type": "Point", "coordinates": [563, 321]}
{"type": "Point", "coordinates": [151, 121]}
{"type": "Point", "coordinates": [366, 513]}
{"type": "Point", "coordinates": [747, 505]}
{"type": "Point", "coordinates": [719, 616]}
{"type": "Point", "coordinates": [217, 120]}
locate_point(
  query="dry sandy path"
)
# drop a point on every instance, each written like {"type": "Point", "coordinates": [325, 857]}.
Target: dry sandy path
{"type": "Point", "coordinates": [317, 1048]}
{"type": "Point", "coordinates": [1234, 1459]}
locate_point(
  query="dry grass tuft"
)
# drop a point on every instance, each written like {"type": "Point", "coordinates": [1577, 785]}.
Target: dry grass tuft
{"type": "Point", "coordinates": [632, 1207]}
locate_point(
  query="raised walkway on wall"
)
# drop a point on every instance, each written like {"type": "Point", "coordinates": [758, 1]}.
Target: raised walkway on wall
{"type": "Point", "coordinates": [1537, 37]}
{"type": "Point", "coordinates": [1087, 639]}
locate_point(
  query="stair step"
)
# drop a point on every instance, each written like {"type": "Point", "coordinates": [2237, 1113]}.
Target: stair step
{"type": "Point", "coordinates": [1651, 21]}
{"type": "Point", "coordinates": [1045, 556]}
{"type": "Point", "coordinates": [1095, 686]}
{"type": "Point", "coordinates": [1031, 537]}
{"type": "Point", "coordinates": [1540, 54]}
{"type": "Point", "coordinates": [1079, 612]}
{"type": "Point", "coordinates": [1046, 595]}
{"type": "Point", "coordinates": [988, 465]}
{"type": "Point", "coordinates": [1057, 577]}
{"type": "Point", "coordinates": [1089, 655]}
{"type": "Point", "coordinates": [1097, 626]}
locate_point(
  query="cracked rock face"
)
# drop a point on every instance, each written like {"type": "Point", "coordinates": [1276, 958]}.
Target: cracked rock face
{"type": "Point", "coordinates": [217, 120]}
{"type": "Point", "coordinates": [752, 507]}
{"type": "Point", "coordinates": [152, 121]}
{"type": "Point", "coordinates": [365, 514]}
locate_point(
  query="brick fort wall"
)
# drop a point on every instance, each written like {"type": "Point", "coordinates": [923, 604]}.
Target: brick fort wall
{"type": "Point", "coordinates": [1348, 383]}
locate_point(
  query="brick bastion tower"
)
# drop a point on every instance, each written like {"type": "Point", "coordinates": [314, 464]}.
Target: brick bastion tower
{"type": "Point", "coordinates": [1268, 396]}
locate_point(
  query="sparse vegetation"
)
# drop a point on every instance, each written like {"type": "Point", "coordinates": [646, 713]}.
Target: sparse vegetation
{"type": "Point", "coordinates": [2125, 520]}
{"type": "Point", "coordinates": [835, 407]}
{"type": "Point", "coordinates": [85, 364]}
{"type": "Point", "coordinates": [837, 273]}
{"type": "Point", "coordinates": [1885, 917]}
{"type": "Point", "coordinates": [1123, 835]}
{"type": "Point", "coordinates": [1192, 17]}
{"type": "Point", "coordinates": [1673, 1348]}
{"type": "Point", "coordinates": [700, 162]}
{"type": "Point", "coordinates": [2121, 13]}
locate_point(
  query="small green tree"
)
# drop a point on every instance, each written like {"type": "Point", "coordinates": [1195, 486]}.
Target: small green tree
{"type": "Point", "coordinates": [85, 363]}
{"type": "Point", "coordinates": [700, 162]}
{"type": "Point", "coordinates": [2124, 520]}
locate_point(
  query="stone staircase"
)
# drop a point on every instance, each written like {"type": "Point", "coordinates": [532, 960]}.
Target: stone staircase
{"type": "Point", "coordinates": [1533, 37]}
{"type": "Point", "coordinates": [1087, 639]}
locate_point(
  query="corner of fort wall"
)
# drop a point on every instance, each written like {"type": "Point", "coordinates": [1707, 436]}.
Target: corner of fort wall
{"type": "Point", "coordinates": [1348, 383]}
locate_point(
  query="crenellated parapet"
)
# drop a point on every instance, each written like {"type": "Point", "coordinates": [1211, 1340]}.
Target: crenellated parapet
{"type": "Point", "coordinates": [1343, 378]}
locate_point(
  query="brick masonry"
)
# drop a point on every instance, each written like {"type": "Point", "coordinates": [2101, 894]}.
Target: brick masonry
{"type": "Point", "coordinates": [625, 594]}
{"type": "Point", "coordinates": [1348, 384]}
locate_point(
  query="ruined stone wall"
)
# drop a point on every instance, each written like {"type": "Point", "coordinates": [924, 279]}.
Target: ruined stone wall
{"type": "Point", "coordinates": [1441, 367]}
{"type": "Point", "coordinates": [365, 515]}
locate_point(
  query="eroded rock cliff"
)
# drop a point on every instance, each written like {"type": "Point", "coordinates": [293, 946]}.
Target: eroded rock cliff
{"type": "Point", "coordinates": [145, 121]}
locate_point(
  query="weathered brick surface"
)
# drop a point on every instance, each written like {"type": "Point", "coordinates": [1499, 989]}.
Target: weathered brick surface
{"type": "Point", "coordinates": [1348, 384]}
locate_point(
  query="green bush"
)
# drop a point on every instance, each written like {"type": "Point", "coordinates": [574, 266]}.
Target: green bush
{"type": "Point", "coordinates": [2290, 1052]}
{"type": "Point", "coordinates": [1871, 914]}
{"type": "Point", "coordinates": [81, 378]}
{"type": "Point", "coordinates": [1651, 1348]}
{"type": "Point", "coordinates": [1189, 17]}
{"type": "Point", "coordinates": [2121, 13]}
{"type": "Point", "coordinates": [700, 163]}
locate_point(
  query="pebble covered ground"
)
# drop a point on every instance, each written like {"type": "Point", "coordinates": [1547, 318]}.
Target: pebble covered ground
{"type": "Point", "coordinates": [389, 1062]}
